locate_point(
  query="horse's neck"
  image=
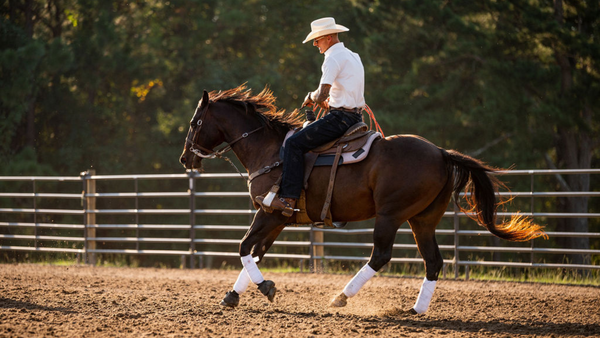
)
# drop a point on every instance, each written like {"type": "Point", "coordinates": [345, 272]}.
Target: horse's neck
{"type": "Point", "coordinates": [260, 149]}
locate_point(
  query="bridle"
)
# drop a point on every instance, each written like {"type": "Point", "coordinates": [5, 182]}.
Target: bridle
{"type": "Point", "coordinates": [211, 154]}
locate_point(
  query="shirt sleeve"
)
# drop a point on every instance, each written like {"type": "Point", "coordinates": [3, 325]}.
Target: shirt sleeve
{"type": "Point", "coordinates": [330, 70]}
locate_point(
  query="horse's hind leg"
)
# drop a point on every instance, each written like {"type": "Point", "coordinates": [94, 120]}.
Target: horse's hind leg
{"type": "Point", "coordinates": [383, 242]}
{"type": "Point", "coordinates": [423, 227]}
{"type": "Point", "coordinates": [432, 257]}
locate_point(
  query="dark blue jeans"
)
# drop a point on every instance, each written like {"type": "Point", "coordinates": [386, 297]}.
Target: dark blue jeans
{"type": "Point", "coordinates": [326, 129]}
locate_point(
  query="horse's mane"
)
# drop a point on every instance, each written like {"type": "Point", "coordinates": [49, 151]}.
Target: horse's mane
{"type": "Point", "coordinates": [263, 104]}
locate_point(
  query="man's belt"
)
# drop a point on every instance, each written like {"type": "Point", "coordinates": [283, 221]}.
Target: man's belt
{"type": "Point", "coordinates": [348, 110]}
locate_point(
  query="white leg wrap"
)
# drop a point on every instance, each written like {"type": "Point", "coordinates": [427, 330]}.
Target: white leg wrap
{"type": "Point", "coordinates": [427, 288]}
{"type": "Point", "coordinates": [359, 280]}
{"type": "Point", "coordinates": [242, 282]}
{"type": "Point", "coordinates": [252, 269]}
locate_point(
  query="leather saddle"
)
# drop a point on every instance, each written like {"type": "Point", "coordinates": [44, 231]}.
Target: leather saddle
{"type": "Point", "coordinates": [355, 144]}
{"type": "Point", "coordinates": [352, 147]}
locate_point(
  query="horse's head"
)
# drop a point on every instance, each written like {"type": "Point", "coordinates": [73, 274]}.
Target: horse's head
{"type": "Point", "coordinates": [202, 137]}
{"type": "Point", "coordinates": [231, 116]}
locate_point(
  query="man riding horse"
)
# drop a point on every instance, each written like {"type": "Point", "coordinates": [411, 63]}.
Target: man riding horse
{"type": "Point", "coordinates": [429, 175]}
{"type": "Point", "coordinates": [343, 82]}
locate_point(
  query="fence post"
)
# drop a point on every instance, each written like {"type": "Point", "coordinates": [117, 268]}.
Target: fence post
{"type": "Point", "coordinates": [317, 250]}
{"type": "Point", "coordinates": [531, 172]}
{"type": "Point", "coordinates": [137, 213]}
{"type": "Point", "coordinates": [456, 253]}
{"type": "Point", "coordinates": [311, 249]}
{"type": "Point", "coordinates": [192, 193]}
{"type": "Point", "coordinates": [35, 222]}
{"type": "Point", "coordinates": [89, 218]}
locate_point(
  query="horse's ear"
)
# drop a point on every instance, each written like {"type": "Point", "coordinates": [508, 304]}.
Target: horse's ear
{"type": "Point", "coordinates": [204, 102]}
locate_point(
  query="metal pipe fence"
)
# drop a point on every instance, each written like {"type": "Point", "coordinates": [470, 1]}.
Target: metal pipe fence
{"type": "Point", "coordinates": [201, 216]}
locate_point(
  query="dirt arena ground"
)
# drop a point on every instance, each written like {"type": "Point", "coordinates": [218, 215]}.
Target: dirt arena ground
{"type": "Point", "coordinates": [82, 301]}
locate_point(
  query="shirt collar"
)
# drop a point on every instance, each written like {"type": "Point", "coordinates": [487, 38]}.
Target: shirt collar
{"type": "Point", "coordinates": [337, 46]}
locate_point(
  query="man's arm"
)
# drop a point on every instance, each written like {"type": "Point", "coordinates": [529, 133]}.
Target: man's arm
{"type": "Point", "coordinates": [319, 96]}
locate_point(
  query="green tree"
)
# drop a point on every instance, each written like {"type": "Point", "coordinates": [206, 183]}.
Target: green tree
{"type": "Point", "coordinates": [509, 81]}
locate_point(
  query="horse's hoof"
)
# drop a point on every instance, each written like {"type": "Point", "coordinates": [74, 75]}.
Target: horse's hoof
{"type": "Point", "coordinates": [231, 299]}
{"type": "Point", "coordinates": [339, 301]}
{"type": "Point", "coordinates": [268, 289]}
{"type": "Point", "coordinates": [406, 313]}
{"type": "Point", "coordinates": [411, 312]}
{"type": "Point", "coordinates": [399, 313]}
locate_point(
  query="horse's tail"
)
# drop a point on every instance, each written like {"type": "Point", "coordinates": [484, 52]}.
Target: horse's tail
{"type": "Point", "coordinates": [481, 187]}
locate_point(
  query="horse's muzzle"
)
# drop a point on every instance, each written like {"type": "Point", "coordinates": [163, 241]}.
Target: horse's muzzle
{"type": "Point", "coordinates": [190, 162]}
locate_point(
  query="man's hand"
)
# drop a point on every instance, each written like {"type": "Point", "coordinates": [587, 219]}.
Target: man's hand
{"type": "Point", "coordinates": [324, 105]}
{"type": "Point", "coordinates": [318, 97]}
{"type": "Point", "coordinates": [307, 101]}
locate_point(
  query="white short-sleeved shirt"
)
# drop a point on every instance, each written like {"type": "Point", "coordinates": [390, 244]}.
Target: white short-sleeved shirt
{"type": "Point", "coordinates": [343, 70]}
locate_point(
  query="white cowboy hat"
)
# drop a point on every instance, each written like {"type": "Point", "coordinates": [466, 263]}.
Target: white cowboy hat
{"type": "Point", "coordinates": [323, 26]}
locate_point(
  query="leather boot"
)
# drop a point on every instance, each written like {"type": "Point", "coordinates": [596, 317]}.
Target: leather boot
{"type": "Point", "coordinates": [285, 205]}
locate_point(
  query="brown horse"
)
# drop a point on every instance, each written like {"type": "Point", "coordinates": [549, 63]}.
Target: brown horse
{"type": "Point", "coordinates": [404, 178]}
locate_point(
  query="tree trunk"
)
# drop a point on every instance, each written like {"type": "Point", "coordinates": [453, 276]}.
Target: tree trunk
{"type": "Point", "coordinates": [30, 19]}
{"type": "Point", "coordinates": [30, 133]}
{"type": "Point", "coordinates": [574, 151]}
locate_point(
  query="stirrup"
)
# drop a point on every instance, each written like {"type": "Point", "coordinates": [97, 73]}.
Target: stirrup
{"type": "Point", "coordinates": [335, 225]}
{"type": "Point", "coordinates": [264, 205]}
{"type": "Point", "coordinates": [280, 204]}
{"type": "Point", "coordinates": [266, 199]}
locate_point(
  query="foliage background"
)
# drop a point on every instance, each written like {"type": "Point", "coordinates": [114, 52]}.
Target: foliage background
{"type": "Point", "coordinates": [111, 85]}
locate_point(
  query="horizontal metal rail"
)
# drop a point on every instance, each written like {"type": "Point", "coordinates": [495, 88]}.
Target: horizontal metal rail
{"type": "Point", "coordinates": [39, 249]}
{"type": "Point", "coordinates": [226, 194]}
{"type": "Point", "coordinates": [528, 265]}
{"type": "Point", "coordinates": [528, 250]}
{"type": "Point", "coordinates": [42, 225]}
{"type": "Point", "coordinates": [42, 211]}
{"type": "Point", "coordinates": [141, 226]}
{"type": "Point", "coordinates": [252, 212]}
{"type": "Point", "coordinates": [41, 178]}
{"type": "Point", "coordinates": [41, 195]}
{"type": "Point", "coordinates": [44, 238]}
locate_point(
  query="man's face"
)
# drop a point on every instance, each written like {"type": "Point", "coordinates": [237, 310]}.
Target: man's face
{"type": "Point", "coordinates": [322, 43]}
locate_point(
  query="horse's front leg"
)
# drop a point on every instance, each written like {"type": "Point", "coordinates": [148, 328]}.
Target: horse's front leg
{"type": "Point", "coordinates": [262, 233]}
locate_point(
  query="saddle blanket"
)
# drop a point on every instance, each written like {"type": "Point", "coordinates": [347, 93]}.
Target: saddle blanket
{"type": "Point", "coordinates": [348, 157]}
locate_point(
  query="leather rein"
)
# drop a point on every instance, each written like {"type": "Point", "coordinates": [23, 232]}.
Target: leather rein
{"type": "Point", "coordinates": [212, 154]}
